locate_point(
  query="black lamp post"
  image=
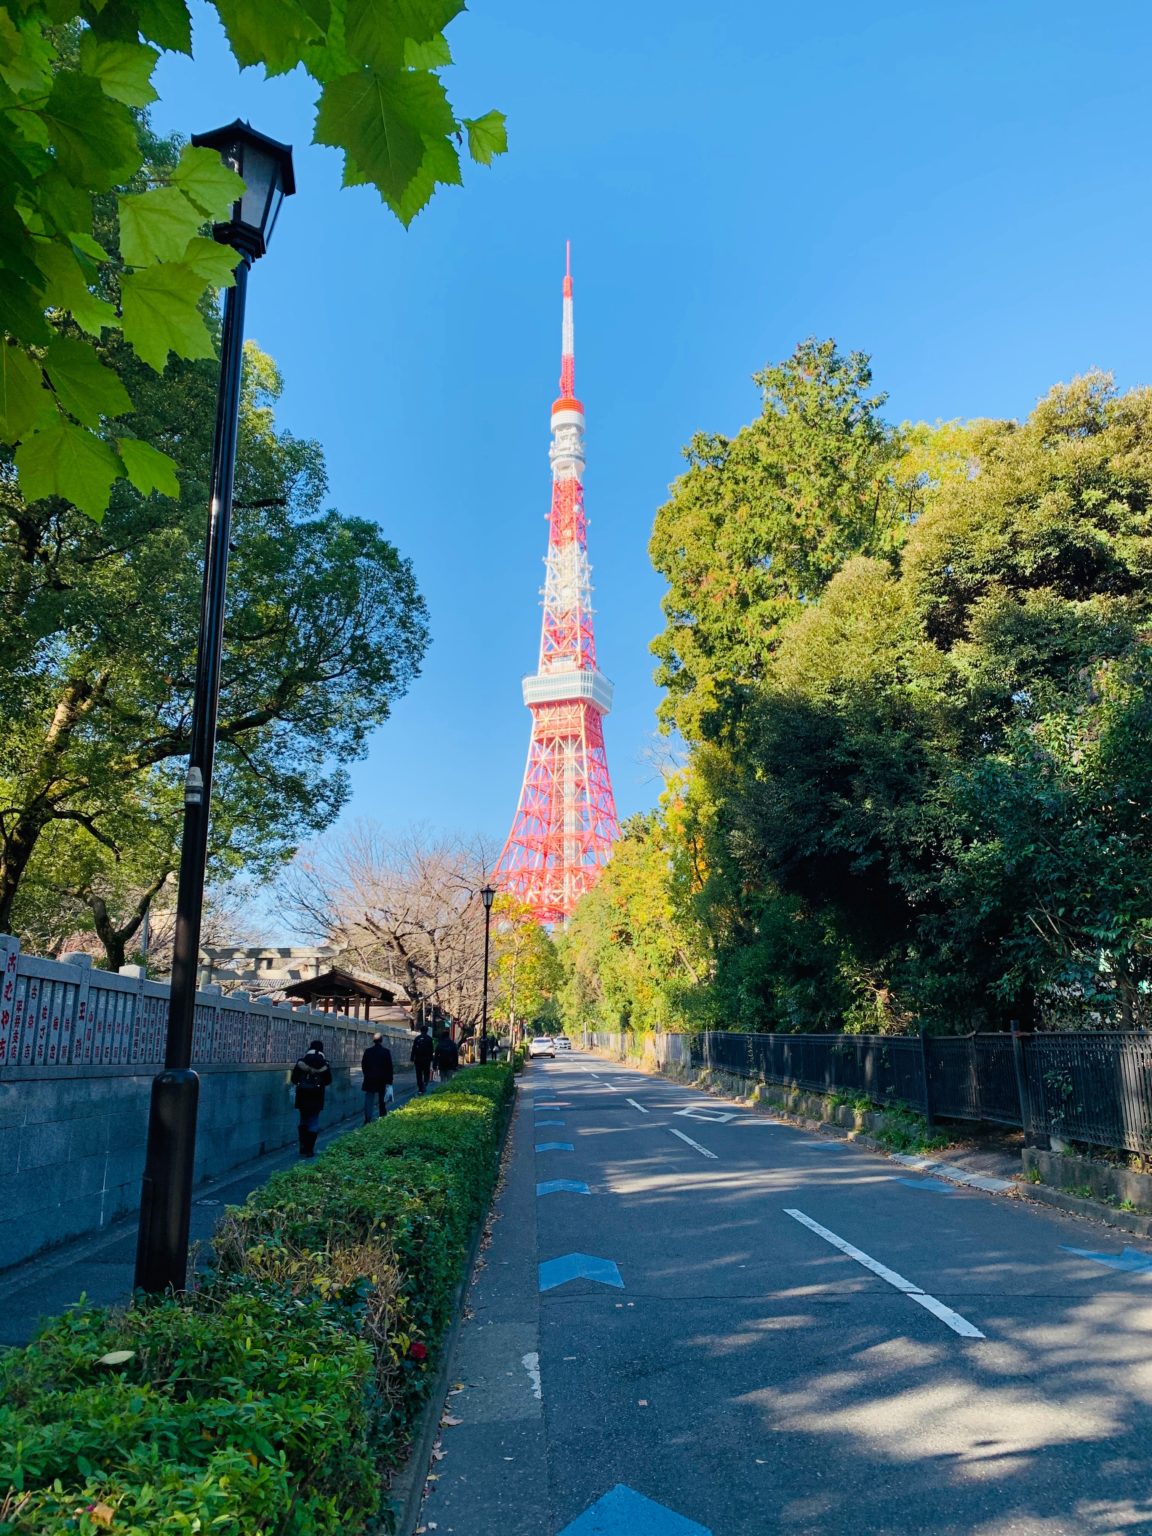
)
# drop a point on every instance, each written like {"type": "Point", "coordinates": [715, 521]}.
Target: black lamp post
{"type": "Point", "coordinates": [166, 1198]}
{"type": "Point", "coordinates": [487, 896]}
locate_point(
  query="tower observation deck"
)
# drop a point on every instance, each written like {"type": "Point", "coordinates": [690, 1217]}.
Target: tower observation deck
{"type": "Point", "coordinates": [565, 822]}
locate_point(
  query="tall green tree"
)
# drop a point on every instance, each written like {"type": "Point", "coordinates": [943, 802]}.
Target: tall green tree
{"type": "Point", "coordinates": [325, 629]}
{"type": "Point", "coordinates": [937, 808]}
{"type": "Point", "coordinates": [760, 522]}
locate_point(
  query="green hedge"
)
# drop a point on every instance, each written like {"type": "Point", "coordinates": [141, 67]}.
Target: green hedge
{"type": "Point", "coordinates": [275, 1399]}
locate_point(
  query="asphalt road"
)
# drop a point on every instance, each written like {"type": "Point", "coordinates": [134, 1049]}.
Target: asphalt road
{"type": "Point", "coordinates": [744, 1328]}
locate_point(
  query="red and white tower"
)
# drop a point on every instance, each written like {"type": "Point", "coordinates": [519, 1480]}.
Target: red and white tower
{"type": "Point", "coordinates": [565, 823]}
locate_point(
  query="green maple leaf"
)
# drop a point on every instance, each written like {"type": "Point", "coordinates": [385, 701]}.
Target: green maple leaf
{"type": "Point", "coordinates": [430, 53]}
{"type": "Point", "coordinates": [384, 122]}
{"type": "Point", "coordinates": [124, 70]}
{"type": "Point", "coordinates": [62, 459]}
{"type": "Point", "coordinates": [166, 23]}
{"type": "Point", "coordinates": [157, 225]}
{"type": "Point", "coordinates": [94, 138]}
{"type": "Point", "coordinates": [147, 468]}
{"type": "Point", "coordinates": [65, 285]}
{"type": "Point", "coordinates": [25, 55]}
{"type": "Point", "coordinates": [206, 181]}
{"type": "Point", "coordinates": [86, 387]}
{"type": "Point", "coordinates": [24, 401]}
{"type": "Point", "coordinates": [160, 315]}
{"type": "Point", "coordinates": [441, 164]}
{"type": "Point", "coordinates": [214, 263]}
{"type": "Point", "coordinates": [21, 309]}
{"type": "Point", "coordinates": [274, 33]}
{"type": "Point", "coordinates": [487, 136]}
{"type": "Point", "coordinates": [377, 31]}
{"type": "Point", "coordinates": [65, 207]}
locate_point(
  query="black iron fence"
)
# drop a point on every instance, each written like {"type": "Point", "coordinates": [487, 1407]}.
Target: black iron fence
{"type": "Point", "coordinates": [1090, 1088]}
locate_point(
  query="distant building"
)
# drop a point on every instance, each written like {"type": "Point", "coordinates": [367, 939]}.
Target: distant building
{"type": "Point", "coordinates": [304, 973]}
{"type": "Point", "coordinates": [263, 968]}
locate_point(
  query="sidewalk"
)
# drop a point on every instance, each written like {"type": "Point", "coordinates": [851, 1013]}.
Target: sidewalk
{"type": "Point", "coordinates": [100, 1265]}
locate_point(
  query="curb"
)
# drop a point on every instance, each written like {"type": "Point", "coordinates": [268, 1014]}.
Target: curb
{"type": "Point", "coordinates": [407, 1492]}
{"type": "Point", "coordinates": [1096, 1210]}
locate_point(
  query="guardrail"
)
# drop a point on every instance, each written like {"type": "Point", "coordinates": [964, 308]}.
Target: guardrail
{"type": "Point", "coordinates": [65, 1013]}
{"type": "Point", "coordinates": [1088, 1087]}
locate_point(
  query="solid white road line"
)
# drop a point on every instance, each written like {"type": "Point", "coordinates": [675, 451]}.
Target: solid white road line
{"type": "Point", "coordinates": [958, 1324]}
{"type": "Point", "coordinates": [702, 1150]}
{"type": "Point", "coordinates": [640, 1107]}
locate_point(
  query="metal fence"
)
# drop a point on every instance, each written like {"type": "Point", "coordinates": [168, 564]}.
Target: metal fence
{"type": "Point", "coordinates": [1094, 1088]}
{"type": "Point", "coordinates": [62, 1013]}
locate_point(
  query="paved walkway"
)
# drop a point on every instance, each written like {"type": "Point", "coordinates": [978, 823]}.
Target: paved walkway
{"type": "Point", "coordinates": [693, 1320]}
{"type": "Point", "coordinates": [100, 1266]}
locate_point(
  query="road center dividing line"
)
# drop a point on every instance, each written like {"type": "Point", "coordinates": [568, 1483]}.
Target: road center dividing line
{"type": "Point", "coordinates": [953, 1320]}
{"type": "Point", "coordinates": [704, 1152]}
{"type": "Point", "coordinates": [640, 1107]}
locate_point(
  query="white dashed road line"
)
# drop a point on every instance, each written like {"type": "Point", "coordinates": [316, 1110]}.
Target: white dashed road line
{"type": "Point", "coordinates": [640, 1107]}
{"type": "Point", "coordinates": [953, 1320]}
{"type": "Point", "coordinates": [704, 1152]}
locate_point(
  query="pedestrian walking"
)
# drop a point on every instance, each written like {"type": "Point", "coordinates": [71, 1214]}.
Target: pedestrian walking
{"type": "Point", "coordinates": [423, 1051]}
{"type": "Point", "coordinates": [447, 1056]}
{"type": "Point", "coordinates": [311, 1075]}
{"type": "Point", "coordinates": [376, 1065]}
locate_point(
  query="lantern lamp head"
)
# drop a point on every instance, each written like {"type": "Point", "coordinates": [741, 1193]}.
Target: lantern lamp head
{"type": "Point", "coordinates": [488, 896]}
{"type": "Point", "coordinates": [265, 167]}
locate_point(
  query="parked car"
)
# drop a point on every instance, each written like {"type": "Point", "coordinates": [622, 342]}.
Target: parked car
{"type": "Point", "coordinates": [562, 1043]}
{"type": "Point", "coordinates": [542, 1045]}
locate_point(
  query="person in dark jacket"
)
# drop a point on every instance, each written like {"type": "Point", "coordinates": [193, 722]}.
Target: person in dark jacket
{"type": "Point", "coordinates": [422, 1053]}
{"type": "Point", "coordinates": [447, 1056]}
{"type": "Point", "coordinates": [311, 1075]}
{"type": "Point", "coordinates": [376, 1065]}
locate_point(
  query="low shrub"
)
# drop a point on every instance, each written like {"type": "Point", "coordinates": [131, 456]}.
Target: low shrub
{"type": "Point", "coordinates": [276, 1398]}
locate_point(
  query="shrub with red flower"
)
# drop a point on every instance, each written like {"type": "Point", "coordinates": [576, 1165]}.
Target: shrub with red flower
{"type": "Point", "coordinates": [417, 1351]}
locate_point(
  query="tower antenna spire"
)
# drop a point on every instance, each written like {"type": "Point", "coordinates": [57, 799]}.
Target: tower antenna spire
{"type": "Point", "coordinates": [568, 333]}
{"type": "Point", "coordinates": [565, 822]}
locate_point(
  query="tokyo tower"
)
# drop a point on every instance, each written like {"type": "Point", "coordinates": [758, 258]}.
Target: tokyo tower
{"type": "Point", "coordinates": [565, 822]}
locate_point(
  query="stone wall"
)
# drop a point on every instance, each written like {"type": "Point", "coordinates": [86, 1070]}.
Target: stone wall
{"type": "Point", "coordinates": [72, 1140]}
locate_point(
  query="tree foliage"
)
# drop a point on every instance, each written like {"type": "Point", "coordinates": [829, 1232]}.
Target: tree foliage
{"type": "Point", "coordinates": [930, 804]}
{"type": "Point", "coordinates": [761, 521]}
{"type": "Point", "coordinates": [73, 83]}
{"type": "Point", "coordinates": [325, 628]}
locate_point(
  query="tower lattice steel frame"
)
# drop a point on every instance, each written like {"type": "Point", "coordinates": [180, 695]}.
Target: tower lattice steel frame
{"type": "Point", "coordinates": [565, 821]}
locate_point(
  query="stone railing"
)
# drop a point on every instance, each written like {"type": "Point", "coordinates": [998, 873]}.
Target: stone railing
{"type": "Point", "coordinates": [65, 1013]}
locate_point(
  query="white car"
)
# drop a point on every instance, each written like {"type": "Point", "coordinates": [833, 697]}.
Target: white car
{"type": "Point", "coordinates": [562, 1043]}
{"type": "Point", "coordinates": [542, 1045]}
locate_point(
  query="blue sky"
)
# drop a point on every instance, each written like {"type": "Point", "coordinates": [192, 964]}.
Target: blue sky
{"type": "Point", "coordinates": [962, 191]}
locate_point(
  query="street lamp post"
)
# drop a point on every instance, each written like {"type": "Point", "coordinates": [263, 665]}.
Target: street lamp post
{"type": "Point", "coordinates": [166, 1197]}
{"type": "Point", "coordinates": [487, 896]}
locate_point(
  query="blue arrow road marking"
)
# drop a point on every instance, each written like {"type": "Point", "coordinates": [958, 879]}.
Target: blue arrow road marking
{"type": "Point", "coordinates": [548, 1122]}
{"type": "Point", "coordinates": [933, 1186]}
{"type": "Point", "coordinates": [555, 1146]}
{"type": "Point", "coordinates": [578, 1266]}
{"type": "Point", "coordinates": [1131, 1259]}
{"type": "Point", "coordinates": [563, 1186]}
{"type": "Point", "coordinates": [624, 1512]}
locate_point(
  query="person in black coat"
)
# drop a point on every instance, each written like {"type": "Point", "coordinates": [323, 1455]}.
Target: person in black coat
{"type": "Point", "coordinates": [422, 1053]}
{"type": "Point", "coordinates": [311, 1075]}
{"type": "Point", "coordinates": [376, 1065]}
{"type": "Point", "coordinates": [447, 1056]}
